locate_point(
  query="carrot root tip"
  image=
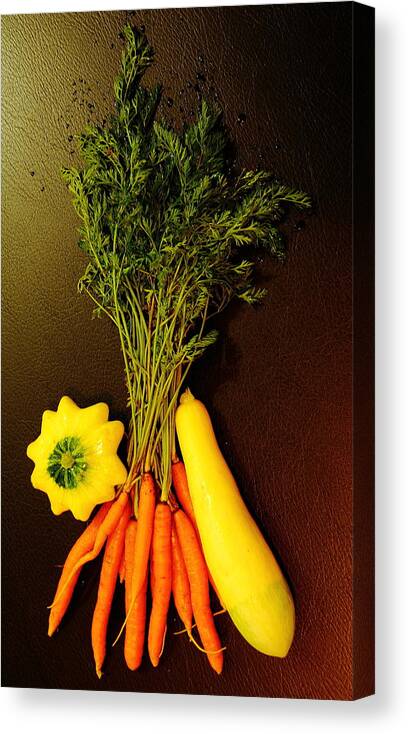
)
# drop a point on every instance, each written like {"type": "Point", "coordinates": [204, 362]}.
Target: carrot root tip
{"type": "Point", "coordinates": [185, 629]}
{"type": "Point", "coordinates": [133, 666]}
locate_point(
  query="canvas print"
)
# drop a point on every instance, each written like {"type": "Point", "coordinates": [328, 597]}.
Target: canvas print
{"type": "Point", "coordinates": [188, 351]}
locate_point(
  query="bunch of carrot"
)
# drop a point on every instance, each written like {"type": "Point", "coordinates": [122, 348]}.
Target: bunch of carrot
{"type": "Point", "coordinates": [164, 537]}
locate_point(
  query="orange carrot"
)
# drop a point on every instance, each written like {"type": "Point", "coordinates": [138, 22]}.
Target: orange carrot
{"type": "Point", "coordinates": [180, 483]}
{"type": "Point", "coordinates": [147, 503]}
{"type": "Point", "coordinates": [84, 543]}
{"type": "Point", "coordinates": [135, 626]}
{"type": "Point", "coordinates": [106, 590]}
{"type": "Point", "coordinates": [200, 597]}
{"type": "Point", "coordinates": [160, 581]}
{"type": "Point", "coordinates": [130, 538]}
{"type": "Point", "coordinates": [105, 529]}
{"type": "Point", "coordinates": [180, 583]}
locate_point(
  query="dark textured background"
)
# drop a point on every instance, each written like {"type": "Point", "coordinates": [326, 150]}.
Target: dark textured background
{"type": "Point", "coordinates": [278, 384]}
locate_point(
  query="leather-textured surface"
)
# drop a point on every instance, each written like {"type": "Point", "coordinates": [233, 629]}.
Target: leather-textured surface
{"type": "Point", "coordinates": [278, 383]}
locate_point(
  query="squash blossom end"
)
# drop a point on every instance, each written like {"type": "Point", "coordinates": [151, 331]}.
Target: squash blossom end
{"type": "Point", "coordinates": [75, 457]}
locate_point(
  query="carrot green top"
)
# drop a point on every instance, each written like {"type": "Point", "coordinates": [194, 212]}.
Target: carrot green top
{"type": "Point", "coordinates": [170, 234]}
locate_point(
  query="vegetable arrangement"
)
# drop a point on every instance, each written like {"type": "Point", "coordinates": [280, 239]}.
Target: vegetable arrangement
{"type": "Point", "coordinates": [170, 237]}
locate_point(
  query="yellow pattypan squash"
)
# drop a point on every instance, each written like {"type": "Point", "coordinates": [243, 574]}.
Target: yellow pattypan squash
{"type": "Point", "coordinates": [75, 457]}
